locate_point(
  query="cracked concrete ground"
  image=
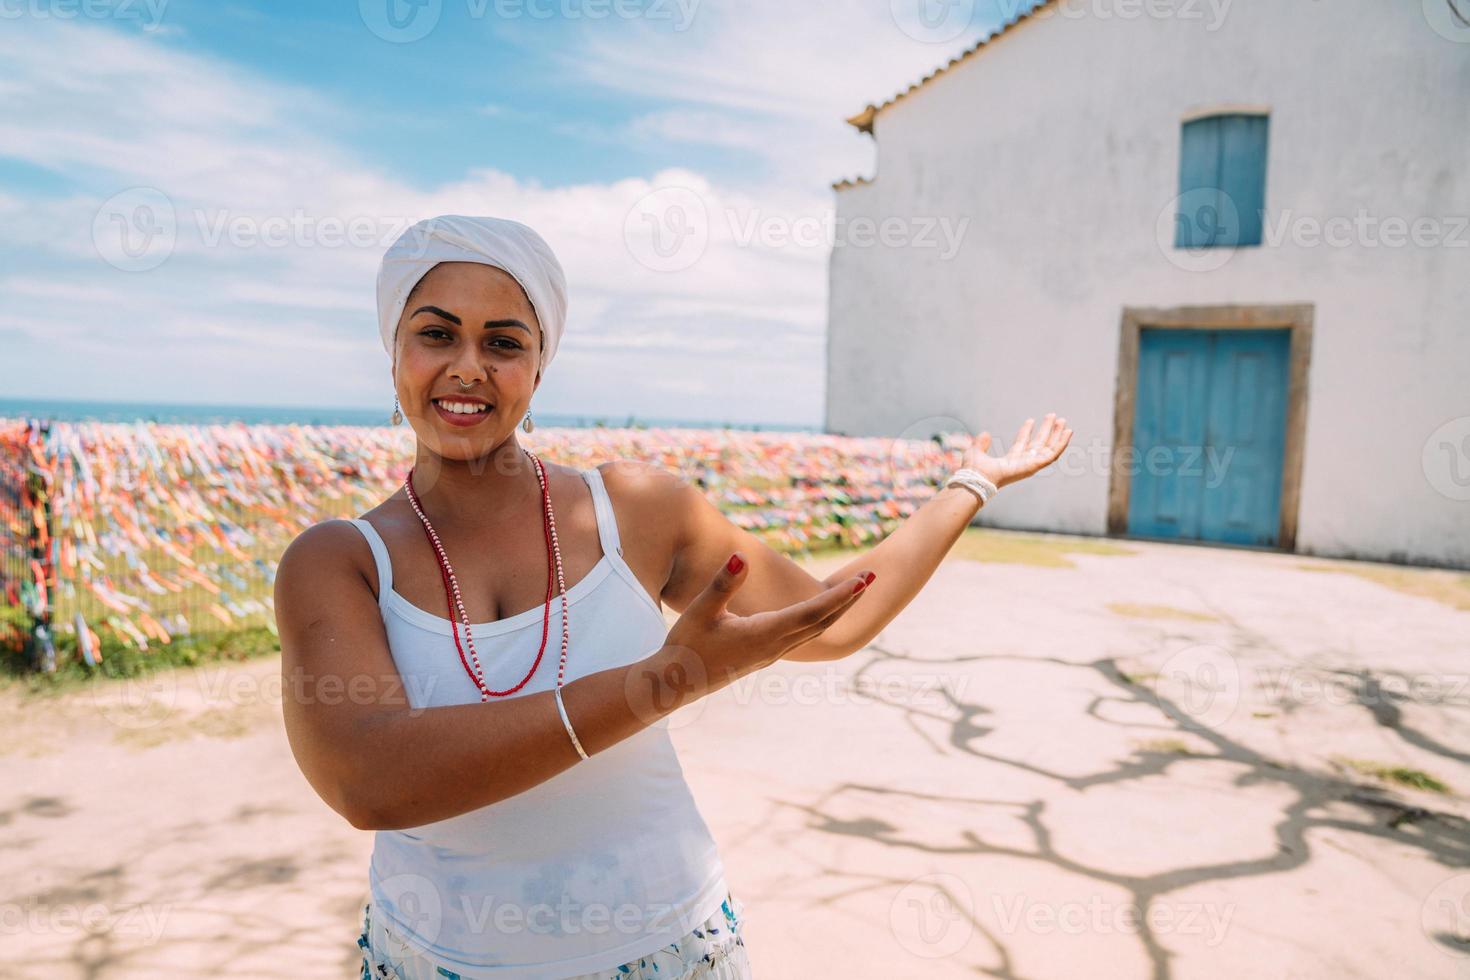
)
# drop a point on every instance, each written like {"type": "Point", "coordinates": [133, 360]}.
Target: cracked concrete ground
{"type": "Point", "coordinates": [1100, 759]}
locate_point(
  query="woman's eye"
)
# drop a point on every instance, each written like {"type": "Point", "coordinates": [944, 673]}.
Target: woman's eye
{"type": "Point", "coordinates": [439, 333]}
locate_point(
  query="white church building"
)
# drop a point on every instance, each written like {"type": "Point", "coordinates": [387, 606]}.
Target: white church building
{"type": "Point", "coordinates": [1234, 251]}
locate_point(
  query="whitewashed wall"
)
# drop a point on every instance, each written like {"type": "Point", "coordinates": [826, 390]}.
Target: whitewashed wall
{"type": "Point", "coordinates": [1060, 143]}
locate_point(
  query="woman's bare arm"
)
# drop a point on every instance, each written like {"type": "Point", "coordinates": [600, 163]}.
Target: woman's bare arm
{"type": "Point", "coordinates": [383, 765]}
{"type": "Point", "coordinates": [902, 562]}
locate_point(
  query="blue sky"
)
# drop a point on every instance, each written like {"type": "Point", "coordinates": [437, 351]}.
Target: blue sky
{"type": "Point", "coordinates": [240, 140]}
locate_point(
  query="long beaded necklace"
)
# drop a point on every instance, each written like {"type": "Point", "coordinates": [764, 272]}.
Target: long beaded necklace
{"type": "Point", "coordinates": [455, 601]}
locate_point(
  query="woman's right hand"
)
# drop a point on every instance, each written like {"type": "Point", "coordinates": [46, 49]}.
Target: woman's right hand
{"type": "Point", "coordinates": [717, 646]}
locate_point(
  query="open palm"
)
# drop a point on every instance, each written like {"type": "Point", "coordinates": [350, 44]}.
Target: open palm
{"type": "Point", "coordinates": [1029, 453]}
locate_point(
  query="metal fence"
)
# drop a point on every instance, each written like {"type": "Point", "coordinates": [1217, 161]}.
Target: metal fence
{"type": "Point", "coordinates": [138, 534]}
{"type": "Point", "coordinates": [24, 575]}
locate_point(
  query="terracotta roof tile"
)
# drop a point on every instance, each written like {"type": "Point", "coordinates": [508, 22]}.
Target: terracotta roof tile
{"type": "Point", "coordinates": [864, 120]}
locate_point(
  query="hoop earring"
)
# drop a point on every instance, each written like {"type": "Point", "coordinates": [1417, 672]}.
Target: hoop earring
{"type": "Point", "coordinates": [526, 422]}
{"type": "Point", "coordinates": [397, 413]}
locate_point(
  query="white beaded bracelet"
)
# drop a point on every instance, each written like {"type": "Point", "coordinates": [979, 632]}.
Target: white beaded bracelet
{"type": "Point", "coordinates": [567, 722]}
{"type": "Point", "coordinates": [975, 482]}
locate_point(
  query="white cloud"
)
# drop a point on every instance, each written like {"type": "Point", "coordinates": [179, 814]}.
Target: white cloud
{"type": "Point", "coordinates": [302, 297]}
{"type": "Point", "coordinates": [234, 151]}
{"type": "Point", "coordinates": [778, 79]}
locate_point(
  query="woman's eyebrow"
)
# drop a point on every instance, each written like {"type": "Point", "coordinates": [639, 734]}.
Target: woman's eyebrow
{"type": "Point", "coordinates": [437, 312]}
{"type": "Point", "coordinates": [489, 324]}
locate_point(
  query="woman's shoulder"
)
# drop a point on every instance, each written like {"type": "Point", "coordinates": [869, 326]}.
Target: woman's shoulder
{"type": "Point", "coordinates": [328, 564]}
{"type": "Point", "coordinates": [655, 507]}
{"type": "Point", "coordinates": [641, 485]}
{"type": "Point", "coordinates": [332, 542]}
{"type": "Point", "coordinates": [336, 543]}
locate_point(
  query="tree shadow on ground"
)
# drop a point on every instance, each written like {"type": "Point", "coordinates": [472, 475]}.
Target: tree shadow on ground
{"type": "Point", "coordinates": [111, 919]}
{"type": "Point", "coordinates": [1316, 801]}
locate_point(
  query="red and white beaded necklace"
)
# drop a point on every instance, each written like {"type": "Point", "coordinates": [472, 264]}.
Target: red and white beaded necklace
{"type": "Point", "coordinates": [456, 602]}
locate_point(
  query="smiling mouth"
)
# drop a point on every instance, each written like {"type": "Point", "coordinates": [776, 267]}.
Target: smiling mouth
{"type": "Point", "coordinates": [460, 412]}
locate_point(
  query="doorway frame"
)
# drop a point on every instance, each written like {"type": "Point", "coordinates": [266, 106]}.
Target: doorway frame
{"type": "Point", "coordinates": [1298, 318]}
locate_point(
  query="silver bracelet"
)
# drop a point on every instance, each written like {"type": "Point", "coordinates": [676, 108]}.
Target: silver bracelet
{"type": "Point", "coordinates": [975, 482]}
{"type": "Point", "coordinates": [567, 722]}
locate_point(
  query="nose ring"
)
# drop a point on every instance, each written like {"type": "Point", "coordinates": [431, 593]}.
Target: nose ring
{"type": "Point", "coordinates": [463, 385]}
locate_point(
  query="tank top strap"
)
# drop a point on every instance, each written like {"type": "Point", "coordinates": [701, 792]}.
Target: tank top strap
{"type": "Point", "coordinates": [607, 525]}
{"type": "Point", "coordinates": [380, 557]}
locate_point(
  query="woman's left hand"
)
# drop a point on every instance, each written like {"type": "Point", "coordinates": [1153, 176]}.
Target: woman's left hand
{"type": "Point", "coordinates": [1029, 453]}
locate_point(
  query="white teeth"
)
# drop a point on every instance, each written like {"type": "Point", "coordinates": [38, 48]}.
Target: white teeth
{"type": "Point", "coordinates": [463, 408]}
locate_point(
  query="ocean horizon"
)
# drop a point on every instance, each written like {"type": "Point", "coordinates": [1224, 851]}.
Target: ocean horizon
{"type": "Point", "coordinates": [189, 413]}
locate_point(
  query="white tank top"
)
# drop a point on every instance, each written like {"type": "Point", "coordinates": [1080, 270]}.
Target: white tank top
{"type": "Point", "coordinates": [602, 863]}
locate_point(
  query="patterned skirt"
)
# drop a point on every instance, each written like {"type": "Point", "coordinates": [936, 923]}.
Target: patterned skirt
{"type": "Point", "coordinates": [712, 950]}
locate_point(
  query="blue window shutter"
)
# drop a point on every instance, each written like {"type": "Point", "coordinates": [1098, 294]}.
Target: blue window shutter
{"type": "Point", "coordinates": [1200, 211]}
{"type": "Point", "coordinates": [1243, 171]}
{"type": "Point", "coordinates": [1222, 182]}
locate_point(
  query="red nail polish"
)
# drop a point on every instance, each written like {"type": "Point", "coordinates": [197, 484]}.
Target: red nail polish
{"type": "Point", "coordinates": [859, 587]}
{"type": "Point", "coordinates": [869, 578]}
{"type": "Point", "coordinates": [734, 564]}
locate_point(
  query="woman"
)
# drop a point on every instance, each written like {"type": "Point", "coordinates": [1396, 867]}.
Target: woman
{"type": "Point", "coordinates": [477, 668]}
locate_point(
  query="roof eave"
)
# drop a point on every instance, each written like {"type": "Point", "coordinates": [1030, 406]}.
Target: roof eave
{"type": "Point", "coordinates": [863, 121]}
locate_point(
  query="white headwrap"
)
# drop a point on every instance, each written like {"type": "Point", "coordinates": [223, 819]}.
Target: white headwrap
{"type": "Point", "coordinates": [499, 242]}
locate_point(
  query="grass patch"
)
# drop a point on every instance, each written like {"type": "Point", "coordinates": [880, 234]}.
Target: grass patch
{"type": "Point", "coordinates": [1041, 551]}
{"type": "Point", "coordinates": [1402, 775]}
{"type": "Point", "coordinates": [170, 725]}
{"type": "Point", "coordinates": [15, 625]}
{"type": "Point", "coordinates": [121, 661]}
{"type": "Point", "coordinates": [1450, 588]}
{"type": "Point", "coordinates": [1166, 746]}
{"type": "Point", "coordinates": [1142, 611]}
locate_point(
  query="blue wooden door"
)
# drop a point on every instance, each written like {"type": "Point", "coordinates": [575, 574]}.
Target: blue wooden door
{"type": "Point", "coordinates": [1210, 435]}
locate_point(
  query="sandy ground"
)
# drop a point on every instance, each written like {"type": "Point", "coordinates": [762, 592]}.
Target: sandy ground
{"type": "Point", "coordinates": [1071, 763]}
